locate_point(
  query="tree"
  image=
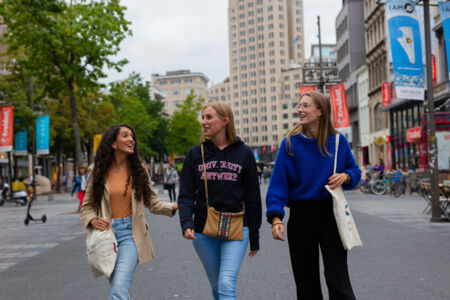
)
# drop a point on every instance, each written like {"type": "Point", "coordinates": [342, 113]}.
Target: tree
{"type": "Point", "coordinates": [185, 129]}
{"type": "Point", "coordinates": [66, 46]}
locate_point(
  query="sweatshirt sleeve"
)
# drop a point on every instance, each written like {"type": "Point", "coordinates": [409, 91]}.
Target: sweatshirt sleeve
{"type": "Point", "coordinates": [351, 167]}
{"type": "Point", "coordinates": [277, 194]}
{"type": "Point", "coordinates": [186, 196]}
{"type": "Point", "coordinates": [252, 201]}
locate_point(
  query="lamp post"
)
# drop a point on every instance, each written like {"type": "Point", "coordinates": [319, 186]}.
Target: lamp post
{"type": "Point", "coordinates": [321, 79]}
{"type": "Point", "coordinates": [432, 140]}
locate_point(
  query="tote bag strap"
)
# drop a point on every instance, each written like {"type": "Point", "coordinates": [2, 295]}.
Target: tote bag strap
{"type": "Point", "coordinates": [204, 174]}
{"type": "Point", "coordinates": [336, 153]}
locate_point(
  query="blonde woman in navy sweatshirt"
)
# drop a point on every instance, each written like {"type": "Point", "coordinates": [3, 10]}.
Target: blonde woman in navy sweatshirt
{"type": "Point", "coordinates": [303, 167]}
{"type": "Point", "coordinates": [232, 181]}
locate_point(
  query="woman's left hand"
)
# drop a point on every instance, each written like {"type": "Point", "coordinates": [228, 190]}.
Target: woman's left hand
{"type": "Point", "coordinates": [253, 253]}
{"type": "Point", "coordinates": [337, 180]}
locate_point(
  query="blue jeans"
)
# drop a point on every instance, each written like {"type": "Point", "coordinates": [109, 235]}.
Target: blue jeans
{"type": "Point", "coordinates": [221, 261]}
{"type": "Point", "coordinates": [127, 259]}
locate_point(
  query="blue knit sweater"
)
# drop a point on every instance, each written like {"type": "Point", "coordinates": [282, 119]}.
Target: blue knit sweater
{"type": "Point", "coordinates": [304, 175]}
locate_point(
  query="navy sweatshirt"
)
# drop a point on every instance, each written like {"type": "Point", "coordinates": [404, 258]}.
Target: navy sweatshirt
{"type": "Point", "coordinates": [232, 180]}
{"type": "Point", "coordinates": [304, 175]}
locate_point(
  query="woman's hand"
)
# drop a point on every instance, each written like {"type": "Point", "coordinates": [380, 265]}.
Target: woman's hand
{"type": "Point", "coordinates": [253, 253]}
{"type": "Point", "coordinates": [337, 180]}
{"type": "Point", "coordinates": [189, 234]}
{"type": "Point", "coordinates": [101, 224]}
{"type": "Point", "coordinates": [277, 229]}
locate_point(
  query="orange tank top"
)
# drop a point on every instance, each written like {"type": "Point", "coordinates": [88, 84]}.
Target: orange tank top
{"type": "Point", "coordinates": [120, 203]}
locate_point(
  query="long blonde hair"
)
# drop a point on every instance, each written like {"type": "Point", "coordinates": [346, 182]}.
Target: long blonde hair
{"type": "Point", "coordinates": [224, 111]}
{"type": "Point", "coordinates": [326, 127]}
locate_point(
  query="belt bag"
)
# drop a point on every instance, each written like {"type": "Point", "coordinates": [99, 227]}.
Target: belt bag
{"type": "Point", "coordinates": [222, 225]}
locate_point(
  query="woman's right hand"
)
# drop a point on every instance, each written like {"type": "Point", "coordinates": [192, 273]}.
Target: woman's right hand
{"type": "Point", "coordinates": [101, 224]}
{"type": "Point", "coordinates": [277, 229]}
{"type": "Point", "coordinates": [189, 234]}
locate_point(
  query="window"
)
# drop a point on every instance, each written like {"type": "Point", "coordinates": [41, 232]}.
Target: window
{"type": "Point", "coordinates": [175, 92]}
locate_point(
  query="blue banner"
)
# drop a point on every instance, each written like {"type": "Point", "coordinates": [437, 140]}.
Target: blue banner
{"type": "Point", "coordinates": [444, 10]}
{"type": "Point", "coordinates": [21, 143]}
{"type": "Point", "coordinates": [406, 49]}
{"type": "Point", "coordinates": [43, 135]}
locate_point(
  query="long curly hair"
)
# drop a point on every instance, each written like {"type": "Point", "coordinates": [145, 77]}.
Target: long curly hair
{"type": "Point", "coordinates": [103, 160]}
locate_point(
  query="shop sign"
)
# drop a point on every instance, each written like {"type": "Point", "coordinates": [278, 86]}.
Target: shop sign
{"type": "Point", "coordinates": [414, 133]}
{"type": "Point", "coordinates": [433, 69]}
{"type": "Point", "coordinates": [385, 93]}
{"type": "Point", "coordinates": [339, 105]}
{"type": "Point", "coordinates": [406, 48]}
{"type": "Point", "coordinates": [43, 135]}
{"type": "Point", "coordinates": [307, 88]}
{"type": "Point", "coordinates": [380, 140]}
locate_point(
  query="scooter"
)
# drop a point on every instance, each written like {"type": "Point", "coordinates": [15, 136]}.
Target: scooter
{"type": "Point", "coordinates": [19, 197]}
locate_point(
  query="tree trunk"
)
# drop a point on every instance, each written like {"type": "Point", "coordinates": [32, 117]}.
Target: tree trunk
{"type": "Point", "coordinates": [76, 128]}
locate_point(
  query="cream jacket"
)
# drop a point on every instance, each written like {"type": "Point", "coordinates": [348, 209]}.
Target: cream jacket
{"type": "Point", "coordinates": [140, 230]}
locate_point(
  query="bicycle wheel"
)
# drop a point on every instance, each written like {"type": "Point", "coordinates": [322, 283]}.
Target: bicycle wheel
{"type": "Point", "coordinates": [378, 187]}
{"type": "Point", "coordinates": [398, 189]}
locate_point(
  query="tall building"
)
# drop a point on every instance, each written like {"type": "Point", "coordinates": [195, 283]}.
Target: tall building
{"type": "Point", "coordinates": [266, 48]}
{"type": "Point", "coordinates": [176, 85]}
{"type": "Point", "coordinates": [351, 54]}
{"type": "Point", "coordinates": [377, 64]}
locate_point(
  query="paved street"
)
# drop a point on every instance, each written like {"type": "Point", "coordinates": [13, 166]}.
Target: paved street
{"type": "Point", "coordinates": [404, 256]}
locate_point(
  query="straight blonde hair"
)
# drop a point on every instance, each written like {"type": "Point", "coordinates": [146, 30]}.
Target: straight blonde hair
{"type": "Point", "coordinates": [326, 127]}
{"type": "Point", "coordinates": [224, 111]}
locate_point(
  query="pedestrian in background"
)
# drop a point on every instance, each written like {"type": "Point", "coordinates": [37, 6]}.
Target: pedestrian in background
{"type": "Point", "coordinates": [121, 185]}
{"type": "Point", "coordinates": [232, 183]}
{"type": "Point", "coordinates": [80, 184]}
{"type": "Point", "coordinates": [171, 179]}
{"type": "Point", "coordinates": [379, 167]}
{"type": "Point", "coordinates": [303, 167]}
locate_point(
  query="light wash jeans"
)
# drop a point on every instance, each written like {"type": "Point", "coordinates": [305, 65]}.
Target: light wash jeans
{"type": "Point", "coordinates": [127, 260]}
{"type": "Point", "coordinates": [221, 261]}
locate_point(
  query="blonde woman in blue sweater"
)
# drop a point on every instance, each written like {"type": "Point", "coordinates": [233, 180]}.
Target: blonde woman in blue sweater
{"type": "Point", "coordinates": [303, 167]}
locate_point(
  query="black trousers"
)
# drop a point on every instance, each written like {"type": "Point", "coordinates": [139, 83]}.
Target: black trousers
{"type": "Point", "coordinates": [172, 193]}
{"type": "Point", "coordinates": [311, 224]}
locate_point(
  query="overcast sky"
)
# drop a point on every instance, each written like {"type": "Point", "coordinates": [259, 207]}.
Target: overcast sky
{"type": "Point", "coordinates": [193, 34]}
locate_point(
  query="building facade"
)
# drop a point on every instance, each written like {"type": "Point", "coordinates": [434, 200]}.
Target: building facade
{"type": "Point", "coordinates": [377, 64]}
{"type": "Point", "coordinates": [175, 86]}
{"type": "Point", "coordinates": [266, 46]}
{"type": "Point", "coordinates": [351, 54]}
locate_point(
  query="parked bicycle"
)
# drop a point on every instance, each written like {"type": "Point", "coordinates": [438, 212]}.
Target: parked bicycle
{"type": "Point", "coordinates": [410, 181]}
{"type": "Point", "coordinates": [388, 185]}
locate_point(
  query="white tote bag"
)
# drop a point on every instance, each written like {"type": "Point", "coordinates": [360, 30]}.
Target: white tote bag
{"type": "Point", "coordinates": [101, 251]}
{"type": "Point", "coordinates": [344, 219]}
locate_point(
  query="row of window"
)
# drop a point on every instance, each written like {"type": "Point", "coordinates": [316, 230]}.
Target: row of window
{"type": "Point", "coordinates": [175, 81]}
{"type": "Point", "coordinates": [176, 92]}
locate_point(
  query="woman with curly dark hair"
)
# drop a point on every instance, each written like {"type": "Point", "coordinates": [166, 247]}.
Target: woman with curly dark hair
{"type": "Point", "coordinates": [119, 183]}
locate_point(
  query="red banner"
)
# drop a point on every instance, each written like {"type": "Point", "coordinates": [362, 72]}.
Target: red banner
{"type": "Point", "coordinates": [433, 68]}
{"type": "Point", "coordinates": [414, 133]}
{"type": "Point", "coordinates": [339, 106]}
{"type": "Point", "coordinates": [307, 88]}
{"type": "Point", "coordinates": [6, 128]}
{"type": "Point", "coordinates": [385, 93]}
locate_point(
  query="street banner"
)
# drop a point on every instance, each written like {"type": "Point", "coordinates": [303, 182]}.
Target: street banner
{"type": "Point", "coordinates": [307, 88]}
{"type": "Point", "coordinates": [444, 10]}
{"type": "Point", "coordinates": [43, 135]}
{"type": "Point", "coordinates": [385, 93]}
{"type": "Point", "coordinates": [433, 69]}
{"type": "Point", "coordinates": [96, 142]}
{"type": "Point", "coordinates": [6, 128]}
{"type": "Point", "coordinates": [255, 153]}
{"type": "Point", "coordinates": [406, 48]}
{"type": "Point", "coordinates": [339, 106]}
{"type": "Point", "coordinates": [21, 143]}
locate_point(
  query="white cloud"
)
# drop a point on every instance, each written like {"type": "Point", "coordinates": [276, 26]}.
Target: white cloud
{"type": "Point", "coordinates": [193, 34]}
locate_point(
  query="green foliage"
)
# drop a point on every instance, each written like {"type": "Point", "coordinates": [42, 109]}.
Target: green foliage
{"type": "Point", "coordinates": [65, 46]}
{"type": "Point", "coordinates": [185, 129]}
